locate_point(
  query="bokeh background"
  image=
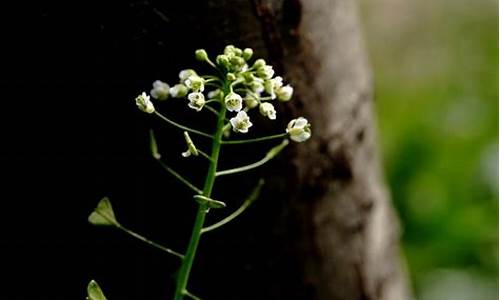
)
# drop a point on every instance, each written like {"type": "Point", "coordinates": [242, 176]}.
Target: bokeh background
{"type": "Point", "coordinates": [435, 66]}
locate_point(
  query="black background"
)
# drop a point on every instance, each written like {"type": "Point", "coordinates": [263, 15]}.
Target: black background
{"type": "Point", "coordinates": [71, 134]}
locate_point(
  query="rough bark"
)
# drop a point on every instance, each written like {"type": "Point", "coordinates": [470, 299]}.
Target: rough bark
{"type": "Point", "coordinates": [340, 229]}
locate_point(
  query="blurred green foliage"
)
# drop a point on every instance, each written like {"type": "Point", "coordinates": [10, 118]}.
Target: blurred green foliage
{"type": "Point", "coordinates": [436, 90]}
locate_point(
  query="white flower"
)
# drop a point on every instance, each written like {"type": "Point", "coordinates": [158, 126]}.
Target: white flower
{"type": "Point", "coordinates": [195, 83]}
{"type": "Point", "coordinates": [285, 93]}
{"type": "Point", "coordinates": [267, 110]}
{"type": "Point", "coordinates": [196, 101]}
{"type": "Point", "coordinates": [142, 101]}
{"type": "Point", "coordinates": [191, 147]}
{"type": "Point", "coordinates": [233, 101]}
{"type": "Point", "coordinates": [299, 129]}
{"type": "Point", "coordinates": [266, 72]}
{"type": "Point", "coordinates": [160, 90]}
{"type": "Point", "coordinates": [178, 91]}
{"type": "Point", "coordinates": [241, 122]}
{"type": "Point", "coordinates": [184, 74]}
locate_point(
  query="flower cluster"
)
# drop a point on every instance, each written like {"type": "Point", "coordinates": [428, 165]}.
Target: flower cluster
{"type": "Point", "coordinates": [239, 86]}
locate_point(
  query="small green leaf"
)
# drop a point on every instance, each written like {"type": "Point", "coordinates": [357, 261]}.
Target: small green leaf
{"type": "Point", "coordinates": [103, 214]}
{"type": "Point", "coordinates": [94, 292]}
{"type": "Point", "coordinates": [211, 203]}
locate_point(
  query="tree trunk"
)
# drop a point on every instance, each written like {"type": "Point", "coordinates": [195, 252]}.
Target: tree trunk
{"type": "Point", "coordinates": [341, 230]}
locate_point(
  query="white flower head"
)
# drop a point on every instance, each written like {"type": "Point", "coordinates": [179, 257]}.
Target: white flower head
{"type": "Point", "coordinates": [144, 103]}
{"type": "Point", "coordinates": [196, 101]}
{"type": "Point", "coordinates": [160, 90]}
{"type": "Point", "coordinates": [178, 91]}
{"type": "Point", "coordinates": [299, 130]}
{"type": "Point", "coordinates": [241, 122]}
{"type": "Point", "coordinates": [285, 93]}
{"type": "Point", "coordinates": [184, 74]}
{"type": "Point", "coordinates": [233, 102]}
{"type": "Point", "coordinates": [267, 110]}
{"type": "Point", "coordinates": [195, 83]}
{"type": "Point", "coordinates": [191, 147]}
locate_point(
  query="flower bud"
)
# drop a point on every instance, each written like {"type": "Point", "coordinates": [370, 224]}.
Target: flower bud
{"type": "Point", "coordinates": [160, 90]}
{"type": "Point", "coordinates": [231, 76]}
{"type": "Point", "coordinates": [178, 91]}
{"type": "Point", "coordinates": [250, 102]}
{"type": "Point", "coordinates": [266, 72]}
{"type": "Point", "coordinates": [259, 63]}
{"type": "Point", "coordinates": [237, 61]}
{"type": "Point", "coordinates": [201, 55]}
{"type": "Point", "coordinates": [284, 93]}
{"type": "Point", "coordinates": [247, 53]}
{"type": "Point", "coordinates": [222, 60]}
{"type": "Point", "coordinates": [143, 103]}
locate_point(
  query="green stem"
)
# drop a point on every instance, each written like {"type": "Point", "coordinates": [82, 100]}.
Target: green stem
{"type": "Point", "coordinates": [187, 262]}
{"type": "Point", "coordinates": [265, 138]}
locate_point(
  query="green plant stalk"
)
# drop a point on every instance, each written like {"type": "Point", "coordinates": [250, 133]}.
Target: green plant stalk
{"type": "Point", "coordinates": [187, 262]}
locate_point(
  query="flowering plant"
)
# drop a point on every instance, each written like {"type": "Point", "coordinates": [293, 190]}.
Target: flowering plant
{"type": "Point", "coordinates": [236, 89]}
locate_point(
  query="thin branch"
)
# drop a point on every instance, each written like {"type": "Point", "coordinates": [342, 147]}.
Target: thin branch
{"type": "Point", "coordinates": [265, 138]}
{"type": "Point", "coordinates": [272, 153]}
{"type": "Point", "coordinates": [181, 179]}
{"type": "Point", "coordinates": [205, 155]}
{"type": "Point", "coordinates": [182, 126]}
{"type": "Point", "coordinates": [158, 246]}
{"type": "Point", "coordinates": [251, 198]}
{"type": "Point", "coordinates": [187, 293]}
